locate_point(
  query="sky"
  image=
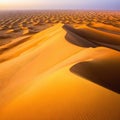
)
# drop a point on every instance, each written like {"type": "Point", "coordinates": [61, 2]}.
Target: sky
{"type": "Point", "coordinates": [60, 4]}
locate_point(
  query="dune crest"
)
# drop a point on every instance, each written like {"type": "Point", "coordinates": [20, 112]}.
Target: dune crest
{"type": "Point", "coordinates": [60, 68]}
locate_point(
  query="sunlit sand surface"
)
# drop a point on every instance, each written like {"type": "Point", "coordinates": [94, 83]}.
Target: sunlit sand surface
{"type": "Point", "coordinates": [60, 65]}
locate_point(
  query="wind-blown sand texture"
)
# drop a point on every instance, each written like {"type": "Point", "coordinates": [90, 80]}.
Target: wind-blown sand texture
{"type": "Point", "coordinates": [60, 65]}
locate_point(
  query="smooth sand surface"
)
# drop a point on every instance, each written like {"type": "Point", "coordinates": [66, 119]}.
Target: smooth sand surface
{"type": "Point", "coordinates": [61, 74]}
{"type": "Point", "coordinates": [50, 90]}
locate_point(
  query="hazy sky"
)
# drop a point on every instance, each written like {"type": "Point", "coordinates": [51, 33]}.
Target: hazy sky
{"type": "Point", "coordinates": [59, 4]}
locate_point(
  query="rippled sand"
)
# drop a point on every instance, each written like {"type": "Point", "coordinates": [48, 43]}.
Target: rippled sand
{"type": "Point", "coordinates": [67, 69]}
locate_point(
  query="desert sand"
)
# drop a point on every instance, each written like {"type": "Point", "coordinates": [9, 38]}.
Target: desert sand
{"type": "Point", "coordinates": [67, 68]}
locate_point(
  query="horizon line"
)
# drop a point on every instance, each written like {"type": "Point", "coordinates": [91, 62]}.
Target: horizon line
{"type": "Point", "coordinates": [51, 9]}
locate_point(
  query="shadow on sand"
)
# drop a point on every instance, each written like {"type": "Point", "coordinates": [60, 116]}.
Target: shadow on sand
{"type": "Point", "coordinates": [106, 74]}
{"type": "Point", "coordinates": [86, 39]}
{"type": "Point", "coordinates": [73, 37]}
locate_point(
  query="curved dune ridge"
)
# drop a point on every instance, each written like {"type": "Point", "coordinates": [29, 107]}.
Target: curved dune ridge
{"type": "Point", "coordinates": [64, 72]}
{"type": "Point", "coordinates": [105, 27]}
{"type": "Point", "coordinates": [98, 37]}
{"type": "Point", "coordinates": [14, 24]}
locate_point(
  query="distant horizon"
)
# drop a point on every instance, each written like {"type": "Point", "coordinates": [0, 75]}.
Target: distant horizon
{"type": "Point", "coordinates": [53, 4]}
{"type": "Point", "coordinates": [60, 9]}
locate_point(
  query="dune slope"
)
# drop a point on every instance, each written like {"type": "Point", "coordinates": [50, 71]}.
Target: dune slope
{"type": "Point", "coordinates": [38, 82]}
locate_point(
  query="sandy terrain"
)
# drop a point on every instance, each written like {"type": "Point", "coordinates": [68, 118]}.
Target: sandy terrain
{"type": "Point", "coordinates": [60, 65]}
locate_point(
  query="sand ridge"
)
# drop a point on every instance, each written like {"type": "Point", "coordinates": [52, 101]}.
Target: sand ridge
{"type": "Point", "coordinates": [20, 23]}
{"type": "Point", "coordinates": [64, 72]}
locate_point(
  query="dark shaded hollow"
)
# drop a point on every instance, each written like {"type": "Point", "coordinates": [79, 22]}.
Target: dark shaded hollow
{"type": "Point", "coordinates": [90, 40]}
{"type": "Point", "coordinates": [73, 37]}
{"type": "Point", "coordinates": [107, 76]}
{"type": "Point", "coordinates": [2, 50]}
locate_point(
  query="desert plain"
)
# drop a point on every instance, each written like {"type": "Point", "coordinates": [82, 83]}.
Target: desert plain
{"type": "Point", "coordinates": [60, 65]}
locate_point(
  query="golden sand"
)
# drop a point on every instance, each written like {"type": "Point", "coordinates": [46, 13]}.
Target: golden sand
{"type": "Point", "coordinates": [64, 72]}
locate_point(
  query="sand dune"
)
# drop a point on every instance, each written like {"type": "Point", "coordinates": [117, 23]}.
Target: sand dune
{"type": "Point", "coordinates": [100, 38]}
{"type": "Point", "coordinates": [107, 28]}
{"type": "Point", "coordinates": [102, 70]}
{"type": "Point", "coordinates": [35, 21]}
{"type": "Point", "coordinates": [69, 71]}
{"type": "Point", "coordinates": [39, 47]}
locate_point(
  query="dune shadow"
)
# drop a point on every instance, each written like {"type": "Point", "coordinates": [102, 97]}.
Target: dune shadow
{"type": "Point", "coordinates": [14, 44]}
{"type": "Point", "coordinates": [85, 39]}
{"type": "Point", "coordinates": [73, 37]}
{"type": "Point", "coordinates": [104, 75]}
